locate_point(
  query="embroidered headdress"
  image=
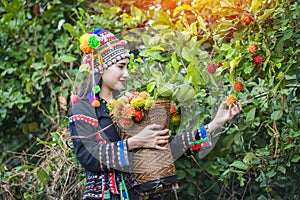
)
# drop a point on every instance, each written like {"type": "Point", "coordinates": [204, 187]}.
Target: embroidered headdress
{"type": "Point", "coordinates": [102, 49]}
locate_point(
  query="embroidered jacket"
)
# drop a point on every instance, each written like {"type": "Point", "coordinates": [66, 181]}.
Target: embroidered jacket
{"type": "Point", "coordinates": [105, 156]}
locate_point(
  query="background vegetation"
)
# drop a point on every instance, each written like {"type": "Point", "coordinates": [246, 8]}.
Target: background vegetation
{"type": "Point", "coordinates": [201, 45]}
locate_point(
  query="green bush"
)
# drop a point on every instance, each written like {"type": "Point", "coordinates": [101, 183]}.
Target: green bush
{"type": "Point", "coordinates": [257, 156]}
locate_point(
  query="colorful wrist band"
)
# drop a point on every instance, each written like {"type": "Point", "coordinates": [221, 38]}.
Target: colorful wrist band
{"type": "Point", "coordinates": [126, 152]}
{"type": "Point", "coordinates": [122, 156]}
{"type": "Point", "coordinates": [206, 128]}
{"type": "Point", "coordinates": [107, 156]}
{"type": "Point", "coordinates": [206, 145]}
{"type": "Point", "coordinates": [203, 132]}
{"type": "Point", "coordinates": [199, 141]}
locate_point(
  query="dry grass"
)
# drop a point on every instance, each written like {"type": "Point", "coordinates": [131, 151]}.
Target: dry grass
{"type": "Point", "coordinates": [55, 175]}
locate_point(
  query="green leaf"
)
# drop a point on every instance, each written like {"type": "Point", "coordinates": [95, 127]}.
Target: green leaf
{"type": "Point", "coordinates": [240, 165]}
{"type": "Point", "coordinates": [249, 157]}
{"type": "Point", "coordinates": [179, 9]}
{"type": "Point", "coordinates": [255, 4]}
{"type": "Point", "coordinates": [25, 167]}
{"type": "Point", "coordinates": [230, 53]}
{"type": "Point", "coordinates": [180, 174]}
{"type": "Point", "coordinates": [242, 180]}
{"type": "Point", "coordinates": [184, 93]}
{"type": "Point", "coordinates": [276, 115]}
{"type": "Point", "coordinates": [175, 62]}
{"type": "Point", "coordinates": [154, 48]}
{"type": "Point", "coordinates": [48, 57]}
{"type": "Point", "coordinates": [191, 190]}
{"type": "Point", "coordinates": [231, 170]}
{"type": "Point", "coordinates": [187, 163]}
{"type": "Point", "coordinates": [268, 12]}
{"type": "Point", "coordinates": [225, 47]}
{"type": "Point", "coordinates": [70, 29]}
{"type": "Point", "coordinates": [135, 11]}
{"type": "Point", "coordinates": [226, 3]}
{"type": "Point", "coordinates": [234, 63]}
{"type": "Point", "coordinates": [187, 54]}
{"type": "Point", "coordinates": [227, 141]}
{"type": "Point", "coordinates": [68, 58]}
{"type": "Point", "coordinates": [27, 196]}
{"type": "Point", "coordinates": [191, 172]}
{"type": "Point", "coordinates": [166, 90]}
{"type": "Point", "coordinates": [289, 146]}
{"type": "Point", "coordinates": [295, 158]}
{"type": "Point", "coordinates": [55, 136]}
{"type": "Point", "coordinates": [193, 28]}
{"type": "Point", "coordinates": [58, 139]}
{"type": "Point", "coordinates": [163, 19]}
{"type": "Point", "coordinates": [288, 34]}
{"type": "Point", "coordinates": [151, 86]}
{"type": "Point", "coordinates": [43, 176]}
{"type": "Point", "coordinates": [282, 169]}
{"type": "Point", "coordinates": [251, 115]}
{"type": "Point", "coordinates": [262, 197]}
{"type": "Point", "coordinates": [279, 47]}
{"type": "Point", "coordinates": [153, 54]}
{"type": "Point", "coordinates": [201, 23]}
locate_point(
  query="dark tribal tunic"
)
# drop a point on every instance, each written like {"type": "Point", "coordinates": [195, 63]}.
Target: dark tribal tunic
{"type": "Point", "coordinates": [105, 156]}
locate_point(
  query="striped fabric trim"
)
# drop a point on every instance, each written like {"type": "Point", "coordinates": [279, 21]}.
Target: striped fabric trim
{"type": "Point", "coordinates": [110, 45]}
{"type": "Point", "coordinates": [89, 120]}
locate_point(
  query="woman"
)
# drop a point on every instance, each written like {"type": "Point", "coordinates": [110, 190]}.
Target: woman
{"type": "Point", "coordinates": [97, 143]}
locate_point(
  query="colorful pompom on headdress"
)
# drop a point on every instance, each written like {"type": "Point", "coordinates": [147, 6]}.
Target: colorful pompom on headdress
{"type": "Point", "coordinates": [102, 49]}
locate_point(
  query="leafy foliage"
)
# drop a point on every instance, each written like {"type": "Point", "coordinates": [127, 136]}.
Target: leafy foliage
{"type": "Point", "coordinates": [258, 155]}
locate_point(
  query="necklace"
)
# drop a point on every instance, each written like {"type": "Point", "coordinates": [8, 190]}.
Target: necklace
{"type": "Point", "coordinates": [106, 100]}
{"type": "Point", "coordinates": [103, 106]}
{"type": "Point", "coordinates": [103, 100]}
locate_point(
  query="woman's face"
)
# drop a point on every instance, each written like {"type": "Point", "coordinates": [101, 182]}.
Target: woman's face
{"type": "Point", "coordinates": [115, 76]}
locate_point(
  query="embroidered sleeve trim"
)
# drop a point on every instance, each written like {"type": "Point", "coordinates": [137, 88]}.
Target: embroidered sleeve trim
{"type": "Point", "coordinates": [89, 120]}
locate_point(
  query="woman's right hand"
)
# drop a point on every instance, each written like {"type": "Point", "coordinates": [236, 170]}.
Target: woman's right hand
{"type": "Point", "coordinates": [150, 137]}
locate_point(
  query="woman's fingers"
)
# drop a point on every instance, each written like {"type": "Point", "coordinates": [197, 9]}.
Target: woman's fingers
{"type": "Point", "coordinates": [163, 132]}
{"type": "Point", "coordinates": [223, 105]}
{"type": "Point", "coordinates": [161, 148]}
{"type": "Point", "coordinates": [162, 140]}
{"type": "Point", "coordinates": [154, 137]}
{"type": "Point", "coordinates": [153, 126]}
{"type": "Point", "coordinates": [237, 107]}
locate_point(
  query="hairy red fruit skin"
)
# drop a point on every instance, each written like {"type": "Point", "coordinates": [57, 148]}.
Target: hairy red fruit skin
{"type": "Point", "coordinates": [138, 116]}
{"type": "Point", "coordinates": [172, 109]}
{"type": "Point", "coordinates": [258, 60]}
{"type": "Point", "coordinates": [238, 86]}
{"type": "Point", "coordinates": [248, 19]}
{"type": "Point", "coordinates": [252, 48]}
{"type": "Point", "coordinates": [133, 95]}
{"type": "Point", "coordinates": [231, 99]}
{"type": "Point", "coordinates": [211, 68]}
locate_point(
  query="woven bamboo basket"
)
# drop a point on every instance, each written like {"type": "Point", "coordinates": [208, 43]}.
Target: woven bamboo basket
{"type": "Point", "coordinates": [154, 169]}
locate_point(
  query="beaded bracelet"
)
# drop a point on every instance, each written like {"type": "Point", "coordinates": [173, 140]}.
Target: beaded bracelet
{"type": "Point", "coordinates": [100, 156]}
{"type": "Point", "coordinates": [202, 131]}
{"type": "Point", "coordinates": [113, 155]}
{"type": "Point", "coordinates": [118, 153]}
{"type": "Point", "coordinates": [203, 142]}
{"type": "Point", "coordinates": [126, 152]}
{"type": "Point", "coordinates": [183, 142]}
{"type": "Point", "coordinates": [203, 145]}
{"type": "Point", "coordinates": [199, 141]}
{"type": "Point", "coordinates": [107, 156]}
{"type": "Point", "coordinates": [122, 157]}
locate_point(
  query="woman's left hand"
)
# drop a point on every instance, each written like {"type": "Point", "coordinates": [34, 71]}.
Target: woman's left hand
{"type": "Point", "coordinates": [224, 115]}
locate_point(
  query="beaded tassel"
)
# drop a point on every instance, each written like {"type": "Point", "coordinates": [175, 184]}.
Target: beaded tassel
{"type": "Point", "coordinates": [123, 189]}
